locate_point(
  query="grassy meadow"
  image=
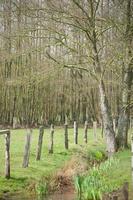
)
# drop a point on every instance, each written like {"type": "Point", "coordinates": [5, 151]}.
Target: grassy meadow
{"type": "Point", "coordinates": [21, 178]}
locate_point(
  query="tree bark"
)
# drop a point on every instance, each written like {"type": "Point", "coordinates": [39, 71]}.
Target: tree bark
{"type": "Point", "coordinates": [107, 121]}
{"type": "Point", "coordinates": [123, 122]}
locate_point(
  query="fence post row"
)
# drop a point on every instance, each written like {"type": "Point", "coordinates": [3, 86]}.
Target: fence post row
{"type": "Point", "coordinates": [86, 132]}
{"type": "Point", "coordinates": [7, 155]}
{"type": "Point", "coordinates": [40, 141]}
{"type": "Point", "coordinates": [14, 122]}
{"type": "Point", "coordinates": [51, 139]}
{"type": "Point", "coordinates": [95, 130]}
{"type": "Point", "coordinates": [75, 132]}
{"type": "Point", "coordinates": [27, 149]}
{"type": "Point", "coordinates": [7, 152]}
{"type": "Point", "coordinates": [66, 135]}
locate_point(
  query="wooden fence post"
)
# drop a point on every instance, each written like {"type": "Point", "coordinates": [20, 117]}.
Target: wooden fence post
{"type": "Point", "coordinates": [86, 132]}
{"type": "Point", "coordinates": [40, 141]}
{"type": "Point", "coordinates": [66, 135]}
{"type": "Point", "coordinates": [95, 130]}
{"type": "Point", "coordinates": [75, 132]}
{"type": "Point", "coordinates": [15, 121]}
{"type": "Point", "coordinates": [7, 155]}
{"type": "Point", "coordinates": [27, 149]}
{"type": "Point", "coordinates": [51, 139]}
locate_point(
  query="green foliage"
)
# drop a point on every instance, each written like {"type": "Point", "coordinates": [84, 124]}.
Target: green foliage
{"type": "Point", "coordinates": [97, 155]}
{"type": "Point", "coordinates": [26, 179]}
{"type": "Point", "coordinates": [94, 184]}
{"type": "Point", "coordinates": [78, 181]}
{"type": "Point", "coordinates": [41, 189]}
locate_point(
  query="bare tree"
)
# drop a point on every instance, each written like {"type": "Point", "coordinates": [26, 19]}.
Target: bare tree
{"type": "Point", "coordinates": [84, 19]}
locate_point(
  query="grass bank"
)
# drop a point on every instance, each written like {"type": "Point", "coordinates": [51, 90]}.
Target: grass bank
{"type": "Point", "coordinates": [106, 178]}
{"type": "Point", "coordinates": [22, 179]}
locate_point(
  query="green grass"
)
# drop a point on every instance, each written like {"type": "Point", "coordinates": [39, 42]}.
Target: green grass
{"type": "Point", "coordinates": [21, 177]}
{"type": "Point", "coordinates": [122, 172]}
{"type": "Point", "coordinates": [49, 163]}
{"type": "Point", "coordinates": [104, 178]}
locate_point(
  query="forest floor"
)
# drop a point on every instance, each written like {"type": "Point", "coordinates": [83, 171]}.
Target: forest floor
{"type": "Point", "coordinates": [50, 164]}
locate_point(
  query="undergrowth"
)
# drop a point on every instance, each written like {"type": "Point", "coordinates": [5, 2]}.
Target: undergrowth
{"type": "Point", "coordinates": [93, 185]}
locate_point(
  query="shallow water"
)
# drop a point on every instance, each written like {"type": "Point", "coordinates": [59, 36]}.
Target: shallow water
{"type": "Point", "coordinates": [57, 196]}
{"type": "Point", "coordinates": [64, 196]}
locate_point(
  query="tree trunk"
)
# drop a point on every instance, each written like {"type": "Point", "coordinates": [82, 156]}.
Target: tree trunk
{"type": "Point", "coordinates": [107, 120]}
{"type": "Point", "coordinates": [123, 122]}
{"type": "Point", "coordinates": [123, 125]}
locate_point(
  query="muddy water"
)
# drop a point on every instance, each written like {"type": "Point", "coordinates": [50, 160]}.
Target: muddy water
{"type": "Point", "coordinates": [66, 196]}
{"type": "Point", "coordinates": [56, 196]}
{"type": "Point", "coordinates": [51, 197]}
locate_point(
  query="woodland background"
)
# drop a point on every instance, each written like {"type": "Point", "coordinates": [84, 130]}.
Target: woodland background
{"type": "Point", "coordinates": [46, 61]}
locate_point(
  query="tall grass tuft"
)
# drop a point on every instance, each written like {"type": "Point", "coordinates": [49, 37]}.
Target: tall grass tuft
{"type": "Point", "coordinates": [41, 190]}
{"type": "Point", "coordinates": [78, 180]}
{"type": "Point", "coordinates": [93, 185]}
